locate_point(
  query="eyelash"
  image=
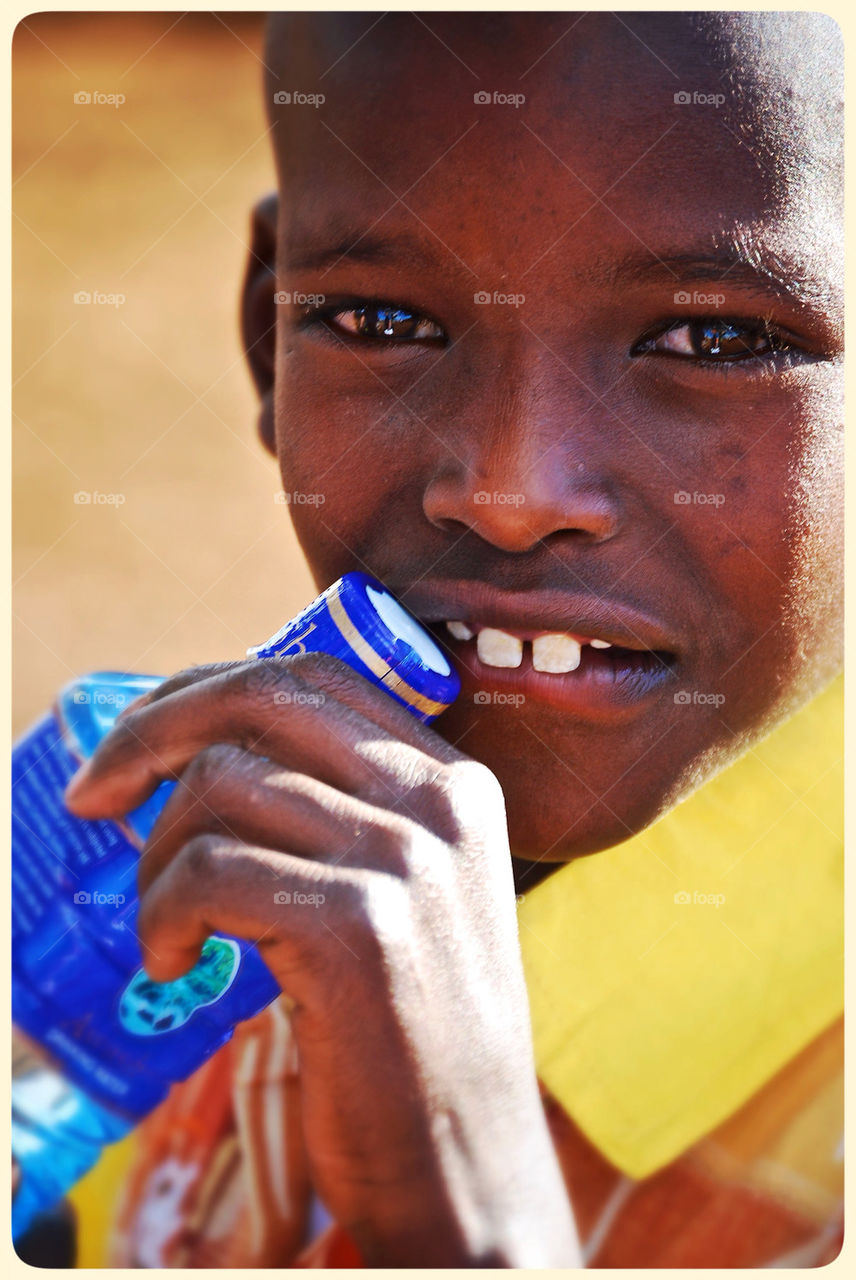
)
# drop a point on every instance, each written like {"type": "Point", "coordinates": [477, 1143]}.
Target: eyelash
{"type": "Point", "coordinates": [376, 311]}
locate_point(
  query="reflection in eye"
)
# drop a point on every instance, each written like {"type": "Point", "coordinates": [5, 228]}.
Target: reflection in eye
{"type": "Point", "coordinates": [380, 321]}
{"type": "Point", "coordinates": [716, 341]}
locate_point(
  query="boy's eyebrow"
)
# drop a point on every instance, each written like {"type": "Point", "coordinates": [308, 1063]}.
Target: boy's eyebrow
{"type": "Point", "coordinates": [358, 247]}
{"type": "Point", "coordinates": [738, 264]}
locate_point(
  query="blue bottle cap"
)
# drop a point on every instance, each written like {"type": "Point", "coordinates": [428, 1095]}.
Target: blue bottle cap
{"type": "Point", "coordinates": [359, 621]}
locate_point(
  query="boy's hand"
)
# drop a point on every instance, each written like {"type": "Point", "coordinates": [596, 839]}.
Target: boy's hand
{"type": "Point", "coordinates": [369, 861]}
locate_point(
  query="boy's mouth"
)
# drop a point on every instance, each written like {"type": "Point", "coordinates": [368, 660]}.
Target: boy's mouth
{"type": "Point", "coordinates": [610, 658]}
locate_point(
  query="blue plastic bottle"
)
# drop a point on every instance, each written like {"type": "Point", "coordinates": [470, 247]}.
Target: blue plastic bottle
{"type": "Point", "coordinates": [116, 1040]}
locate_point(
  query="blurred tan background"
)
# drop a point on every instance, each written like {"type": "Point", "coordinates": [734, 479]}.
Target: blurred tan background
{"type": "Point", "coordinates": [182, 555]}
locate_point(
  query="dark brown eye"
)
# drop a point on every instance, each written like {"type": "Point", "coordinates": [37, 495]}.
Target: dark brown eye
{"type": "Point", "coordinates": [384, 323]}
{"type": "Point", "coordinates": [714, 341]}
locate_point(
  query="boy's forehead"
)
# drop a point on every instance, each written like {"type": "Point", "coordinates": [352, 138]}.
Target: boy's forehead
{"type": "Point", "coordinates": [725, 121]}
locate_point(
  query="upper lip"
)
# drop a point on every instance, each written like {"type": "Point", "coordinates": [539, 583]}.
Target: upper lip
{"type": "Point", "coordinates": [601, 617]}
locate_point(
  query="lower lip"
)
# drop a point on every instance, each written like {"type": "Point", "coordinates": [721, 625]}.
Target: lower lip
{"type": "Point", "coordinates": [602, 686]}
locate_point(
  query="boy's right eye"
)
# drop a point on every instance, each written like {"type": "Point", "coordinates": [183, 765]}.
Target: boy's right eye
{"type": "Point", "coordinates": [375, 321]}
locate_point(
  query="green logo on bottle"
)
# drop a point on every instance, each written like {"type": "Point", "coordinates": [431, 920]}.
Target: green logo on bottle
{"type": "Point", "coordinates": [148, 1008]}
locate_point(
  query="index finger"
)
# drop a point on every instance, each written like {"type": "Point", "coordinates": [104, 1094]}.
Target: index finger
{"type": "Point", "coordinates": [310, 712]}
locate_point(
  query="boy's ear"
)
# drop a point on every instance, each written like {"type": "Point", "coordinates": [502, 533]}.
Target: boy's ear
{"type": "Point", "coordinates": [258, 312]}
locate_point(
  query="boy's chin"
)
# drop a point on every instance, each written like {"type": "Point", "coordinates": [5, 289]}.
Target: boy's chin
{"type": "Point", "coordinates": [556, 810]}
{"type": "Point", "coordinates": [564, 834]}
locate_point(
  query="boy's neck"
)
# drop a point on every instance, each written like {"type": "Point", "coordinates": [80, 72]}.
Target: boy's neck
{"type": "Point", "coordinates": [528, 874]}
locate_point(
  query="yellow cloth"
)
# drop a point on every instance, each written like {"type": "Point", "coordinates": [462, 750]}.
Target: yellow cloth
{"type": "Point", "coordinates": [94, 1201]}
{"type": "Point", "coordinates": [655, 1017]}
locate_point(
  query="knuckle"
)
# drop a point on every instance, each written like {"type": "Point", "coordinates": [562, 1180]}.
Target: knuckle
{"type": "Point", "coordinates": [125, 739]}
{"type": "Point", "coordinates": [207, 769]}
{"type": "Point", "coordinates": [463, 795]}
{"type": "Point", "coordinates": [256, 679]}
{"type": "Point", "coordinates": [263, 684]}
{"type": "Point", "coordinates": [316, 663]}
{"type": "Point", "coordinates": [394, 840]}
{"type": "Point", "coordinates": [197, 858]}
{"type": "Point", "coordinates": [314, 669]}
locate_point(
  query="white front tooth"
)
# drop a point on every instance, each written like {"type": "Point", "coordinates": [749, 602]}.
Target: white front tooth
{"type": "Point", "coordinates": [601, 644]}
{"type": "Point", "coordinates": [498, 648]}
{"type": "Point", "coordinates": [556, 653]}
{"type": "Point", "coordinates": [460, 630]}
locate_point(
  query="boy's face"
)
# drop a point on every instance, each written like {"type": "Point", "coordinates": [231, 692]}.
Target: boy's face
{"type": "Point", "coordinates": [636, 438]}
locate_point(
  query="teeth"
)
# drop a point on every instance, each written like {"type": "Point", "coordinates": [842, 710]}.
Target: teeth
{"type": "Point", "coordinates": [498, 649]}
{"type": "Point", "coordinates": [460, 630]}
{"type": "Point", "coordinates": [600, 644]}
{"type": "Point", "coordinates": [556, 653]}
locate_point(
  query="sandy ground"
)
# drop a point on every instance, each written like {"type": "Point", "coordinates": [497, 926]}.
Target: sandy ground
{"type": "Point", "coordinates": [147, 402]}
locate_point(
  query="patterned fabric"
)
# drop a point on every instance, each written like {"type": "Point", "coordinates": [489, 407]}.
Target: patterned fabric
{"type": "Point", "coordinates": [220, 1175]}
{"type": "Point", "coordinates": [220, 1179]}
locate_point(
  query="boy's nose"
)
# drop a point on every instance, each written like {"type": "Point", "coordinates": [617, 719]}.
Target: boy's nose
{"type": "Point", "coordinates": [515, 496]}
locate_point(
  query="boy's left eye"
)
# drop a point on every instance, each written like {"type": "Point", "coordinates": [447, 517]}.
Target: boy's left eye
{"type": "Point", "coordinates": [379, 321]}
{"type": "Point", "coordinates": [714, 341]}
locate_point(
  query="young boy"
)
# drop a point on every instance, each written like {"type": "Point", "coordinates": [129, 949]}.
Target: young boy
{"type": "Point", "coordinates": [549, 310]}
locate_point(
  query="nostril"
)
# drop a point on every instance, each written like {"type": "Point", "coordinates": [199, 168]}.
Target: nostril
{"type": "Point", "coordinates": [457, 528]}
